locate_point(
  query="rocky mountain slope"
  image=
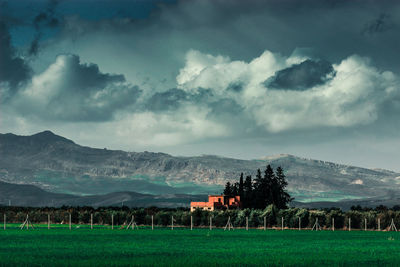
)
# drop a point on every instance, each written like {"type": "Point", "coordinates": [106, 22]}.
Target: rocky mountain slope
{"type": "Point", "coordinates": [59, 165]}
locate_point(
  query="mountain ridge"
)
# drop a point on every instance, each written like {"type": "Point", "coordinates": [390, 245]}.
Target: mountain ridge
{"type": "Point", "coordinates": [47, 133]}
{"type": "Point", "coordinates": [59, 165]}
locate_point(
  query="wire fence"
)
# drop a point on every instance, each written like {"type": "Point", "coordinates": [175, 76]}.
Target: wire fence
{"type": "Point", "coordinates": [71, 221]}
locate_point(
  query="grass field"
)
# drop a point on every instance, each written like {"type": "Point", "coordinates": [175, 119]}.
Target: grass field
{"type": "Point", "coordinates": [200, 247]}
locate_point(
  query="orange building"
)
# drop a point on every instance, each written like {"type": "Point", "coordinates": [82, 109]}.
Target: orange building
{"type": "Point", "coordinates": [217, 202]}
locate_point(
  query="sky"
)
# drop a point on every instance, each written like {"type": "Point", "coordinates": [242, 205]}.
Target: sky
{"type": "Point", "coordinates": [244, 79]}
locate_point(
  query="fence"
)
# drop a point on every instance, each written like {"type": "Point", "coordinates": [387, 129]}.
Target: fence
{"type": "Point", "coordinates": [71, 220]}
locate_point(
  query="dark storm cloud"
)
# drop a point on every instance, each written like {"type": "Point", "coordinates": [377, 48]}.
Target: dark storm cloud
{"type": "Point", "coordinates": [13, 70]}
{"type": "Point", "coordinates": [86, 77]}
{"type": "Point", "coordinates": [174, 98]}
{"type": "Point", "coordinates": [43, 20]}
{"type": "Point", "coordinates": [168, 100]}
{"type": "Point", "coordinates": [381, 24]}
{"type": "Point", "coordinates": [303, 76]}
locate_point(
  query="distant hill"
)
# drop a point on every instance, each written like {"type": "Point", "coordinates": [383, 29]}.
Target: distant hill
{"type": "Point", "coordinates": [32, 196]}
{"type": "Point", "coordinates": [58, 165]}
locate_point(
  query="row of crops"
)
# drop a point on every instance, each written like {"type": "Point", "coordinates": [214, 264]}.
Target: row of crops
{"type": "Point", "coordinates": [270, 217]}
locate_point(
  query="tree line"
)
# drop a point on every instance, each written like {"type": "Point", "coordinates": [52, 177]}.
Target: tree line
{"type": "Point", "coordinates": [268, 188]}
{"type": "Point", "coordinates": [182, 216]}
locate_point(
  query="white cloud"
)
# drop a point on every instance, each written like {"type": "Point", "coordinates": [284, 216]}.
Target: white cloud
{"type": "Point", "coordinates": [218, 72]}
{"type": "Point", "coordinates": [69, 95]}
{"type": "Point", "coordinates": [352, 97]}
{"type": "Point", "coordinates": [69, 90]}
{"type": "Point", "coordinates": [197, 62]}
{"type": "Point", "coordinates": [73, 91]}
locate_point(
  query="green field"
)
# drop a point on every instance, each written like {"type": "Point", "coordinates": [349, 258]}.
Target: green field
{"type": "Point", "coordinates": [200, 247]}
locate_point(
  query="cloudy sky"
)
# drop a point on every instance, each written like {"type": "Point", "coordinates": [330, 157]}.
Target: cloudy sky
{"type": "Point", "coordinates": [244, 79]}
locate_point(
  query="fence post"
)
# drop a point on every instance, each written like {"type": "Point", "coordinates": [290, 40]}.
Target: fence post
{"type": "Point", "coordinates": [282, 223]}
{"type": "Point", "coordinates": [299, 224]}
{"type": "Point", "coordinates": [172, 222]}
{"type": "Point", "coordinates": [48, 221]}
{"type": "Point", "coordinates": [247, 223]}
{"type": "Point", "coordinates": [112, 221]}
{"type": "Point", "coordinates": [91, 220]}
{"type": "Point", "coordinates": [191, 222]}
{"type": "Point", "coordinates": [210, 223]}
{"type": "Point", "coordinates": [152, 222]}
{"type": "Point", "coordinates": [349, 224]}
{"type": "Point", "coordinates": [379, 224]}
{"type": "Point", "coordinates": [365, 227]}
{"type": "Point", "coordinates": [333, 224]}
{"type": "Point", "coordinates": [265, 223]}
{"type": "Point", "coordinates": [70, 221]}
{"type": "Point", "coordinates": [5, 221]}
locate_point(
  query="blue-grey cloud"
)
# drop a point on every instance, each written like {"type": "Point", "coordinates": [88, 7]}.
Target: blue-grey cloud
{"type": "Point", "coordinates": [13, 69]}
{"type": "Point", "coordinates": [235, 86]}
{"type": "Point", "coordinates": [303, 76]}
{"type": "Point", "coordinates": [225, 106]}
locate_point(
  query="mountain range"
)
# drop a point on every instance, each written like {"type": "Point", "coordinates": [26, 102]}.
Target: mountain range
{"type": "Point", "coordinates": [83, 175]}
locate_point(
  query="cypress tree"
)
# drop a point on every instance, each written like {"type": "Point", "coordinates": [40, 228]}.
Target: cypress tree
{"type": "Point", "coordinates": [271, 186]}
{"type": "Point", "coordinates": [259, 194]}
{"type": "Point", "coordinates": [241, 185]}
{"type": "Point", "coordinates": [235, 189]}
{"type": "Point", "coordinates": [228, 189]}
{"type": "Point", "coordinates": [283, 197]}
{"type": "Point", "coordinates": [247, 192]}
